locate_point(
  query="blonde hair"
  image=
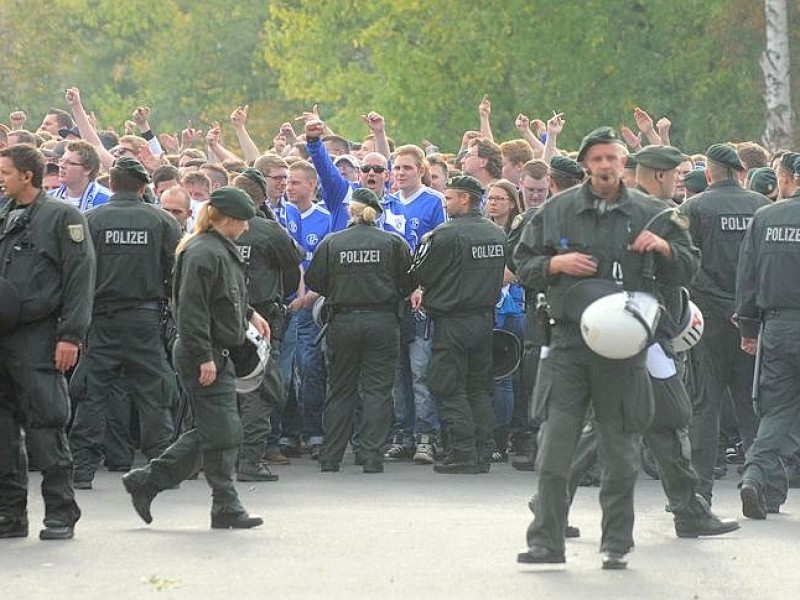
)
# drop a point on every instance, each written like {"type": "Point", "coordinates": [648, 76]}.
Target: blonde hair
{"type": "Point", "coordinates": [207, 217]}
{"type": "Point", "coordinates": [362, 213]}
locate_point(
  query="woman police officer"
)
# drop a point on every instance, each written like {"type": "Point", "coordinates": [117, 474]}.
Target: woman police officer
{"type": "Point", "coordinates": [363, 273]}
{"type": "Point", "coordinates": [210, 305]}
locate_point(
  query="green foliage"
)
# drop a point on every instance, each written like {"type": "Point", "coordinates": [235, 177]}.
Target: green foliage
{"type": "Point", "coordinates": [424, 65]}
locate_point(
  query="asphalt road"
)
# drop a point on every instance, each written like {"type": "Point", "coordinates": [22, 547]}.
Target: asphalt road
{"type": "Point", "coordinates": [408, 533]}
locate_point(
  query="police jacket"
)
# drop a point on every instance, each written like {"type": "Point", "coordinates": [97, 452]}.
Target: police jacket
{"type": "Point", "coordinates": [766, 278]}
{"type": "Point", "coordinates": [135, 247]}
{"type": "Point", "coordinates": [272, 260]}
{"type": "Point", "coordinates": [460, 265]}
{"type": "Point", "coordinates": [718, 218]}
{"type": "Point", "coordinates": [209, 297]}
{"type": "Point", "coordinates": [46, 253]}
{"type": "Point", "coordinates": [361, 267]}
{"type": "Point", "coordinates": [574, 221]}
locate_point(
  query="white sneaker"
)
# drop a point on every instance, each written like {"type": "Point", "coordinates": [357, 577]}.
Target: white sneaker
{"type": "Point", "coordinates": [424, 454]}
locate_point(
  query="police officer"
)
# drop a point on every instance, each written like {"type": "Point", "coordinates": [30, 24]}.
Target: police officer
{"type": "Point", "coordinates": [595, 230]}
{"type": "Point", "coordinates": [667, 437]}
{"type": "Point", "coordinates": [766, 298]}
{"type": "Point", "coordinates": [135, 247]}
{"type": "Point", "coordinates": [363, 273]}
{"type": "Point", "coordinates": [459, 267]}
{"type": "Point", "coordinates": [211, 311]}
{"type": "Point", "coordinates": [718, 219]}
{"type": "Point", "coordinates": [47, 256]}
{"type": "Point", "coordinates": [271, 256]}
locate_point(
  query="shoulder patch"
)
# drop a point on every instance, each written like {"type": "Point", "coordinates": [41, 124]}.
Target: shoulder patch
{"type": "Point", "coordinates": [679, 219]}
{"type": "Point", "coordinates": [518, 220]}
{"type": "Point", "coordinates": [76, 233]}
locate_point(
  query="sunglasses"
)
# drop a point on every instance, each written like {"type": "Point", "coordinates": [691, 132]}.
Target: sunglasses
{"type": "Point", "coordinates": [373, 168]}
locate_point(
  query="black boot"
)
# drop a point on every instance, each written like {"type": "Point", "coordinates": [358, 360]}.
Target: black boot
{"type": "Point", "coordinates": [698, 520]}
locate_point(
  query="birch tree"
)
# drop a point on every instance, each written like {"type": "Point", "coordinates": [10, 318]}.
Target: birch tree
{"type": "Point", "coordinates": [775, 65]}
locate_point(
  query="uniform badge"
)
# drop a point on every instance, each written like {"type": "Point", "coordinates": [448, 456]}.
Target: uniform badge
{"type": "Point", "coordinates": [76, 233]}
{"type": "Point", "coordinates": [680, 219]}
{"type": "Point", "coordinates": [517, 222]}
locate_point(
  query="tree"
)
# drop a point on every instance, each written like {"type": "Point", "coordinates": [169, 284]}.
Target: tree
{"type": "Point", "coordinates": [775, 65]}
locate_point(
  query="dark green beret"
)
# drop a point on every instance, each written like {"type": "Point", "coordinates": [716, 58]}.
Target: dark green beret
{"type": "Point", "coordinates": [601, 135]}
{"type": "Point", "coordinates": [368, 197]}
{"type": "Point", "coordinates": [790, 162]}
{"type": "Point", "coordinates": [661, 158]}
{"type": "Point", "coordinates": [256, 177]}
{"type": "Point", "coordinates": [466, 183]}
{"type": "Point", "coordinates": [630, 161]}
{"type": "Point", "coordinates": [566, 166]}
{"type": "Point", "coordinates": [724, 155]}
{"type": "Point", "coordinates": [695, 181]}
{"type": "Point", "coordinates": [132, 167]}
{"type": "Point", "coordinates": [763, 180]}
{"type": "Point", "coordinates": [233, 202]}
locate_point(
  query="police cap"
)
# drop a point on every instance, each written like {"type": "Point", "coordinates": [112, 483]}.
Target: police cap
{"type": "Point", "coordinates": [630, 161]}
{"type": "Point", "coordinates": [601, 135]}
{"type": "Point", "coordinates": [233, 202]}
{"type": "Point", "coordinates": [695, 181]}
{"type": "Point", "coordinates": [566, 166]}
{"type": "Point", "coordinates": [763, 180]}
{"type": "Point", "coordinates": [132, 167]}
{"type": "Point", "coordinates": [724, 155]}
{"type": "Point", "coordinates": [368, 197]}
{"type": "Point", "coordinates": [465, 183]}
{"type": "Point", "coordinates": [661, 158]}
{"type": "Point", "coordinates": [256, 177]}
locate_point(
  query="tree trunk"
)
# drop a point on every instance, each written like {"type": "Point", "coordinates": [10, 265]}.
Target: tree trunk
{"type": "Point", "coordinates": [775, 65]}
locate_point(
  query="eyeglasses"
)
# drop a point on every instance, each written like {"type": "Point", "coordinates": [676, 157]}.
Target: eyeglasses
{"type": "Point", "coordinates": [497, 199]}
{"type": "Point", "coordinates": [373, 168]}
{"type": "Point", "coordinates": [278, 177]}
{"type": "Point", "coordinates": [68, 163]}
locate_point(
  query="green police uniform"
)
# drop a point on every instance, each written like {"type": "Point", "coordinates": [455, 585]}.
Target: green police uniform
{"type": "Point", "coordinates": [46, 253]}
{"type": "Point", "coordinates": [572, 377]}
{"type": "Point", "coordinates": [135, 247]}
{"type": "Point", "coordinates": [363, 273]}
{"type": "Point", "coordinates": [211, 312]}
{"type": "Point", "coordinates": [460, 266]}
{"type": "Point", "coordinates": [718, 219]}
{"type": "Point", "coordinates": [269, 255]}
{"type": "Point", "coordinates": [767, 298]}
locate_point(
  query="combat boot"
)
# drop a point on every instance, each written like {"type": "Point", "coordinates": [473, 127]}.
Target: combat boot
{"type": "Point", "coordinates": [142, 495]}
{"type": "Point", "coordinates": [698, 520]}
{"type": "Point", "coordinates": [13, 528]}
{"type": "Point", "coordinates": [57, 532]}
{"type": "Point", "coordinates": [754, 506]}
{"type": "Point", "coordinates": [239, 520]}
{"type": "Point", "coordinates": [254, 472]}
{"type": "Point", "coordinates": [537, 555]}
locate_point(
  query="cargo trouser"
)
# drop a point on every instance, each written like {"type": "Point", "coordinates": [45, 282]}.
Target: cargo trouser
{"type": "Point", "coordinates": [619, 391]}
{"type": "Point", "coordinates": [124, 342]}
{"type": "Point", "coordinates": [362, 348]}
{"type": "Point", "coordinates": [213, 443]}
{"type": "Point", "coordinates": [33, 400]}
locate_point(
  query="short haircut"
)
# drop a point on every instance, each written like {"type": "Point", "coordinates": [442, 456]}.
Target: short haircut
{"type": "Point", "coordinates": [439, 161]}
{"type": "Point", "coordinates": [306, 167]}
{"type": "Point", "coordinates": [389, 140]}
{"type": "Point", "coordinates": [338, 141]}
{"type": "Point", "coordinates": [234, 165]}
{"type": "Point", "coordinates": [134, 141]}
{"type": "Point", "coordinates": [492, 153]}
{"type": "Point", "coordinates": [24, 137]}
{"type": "Point", "coordinates": [536, 169]}
{"type": "Point", "coordinates": [90, 158]}
{"type": "Point", "coordinates": [216, 173]}
{"type": "Point", "coordinates": [266, 162]}
{"type": "Point", "coordinates": [63, 118]}
{"type": "Point", "coordinates": [752, 155]}
{"type": "Point", "coordinates": [194, 162]}
{"type": "Point", "coordinates": [26, 158]}
{"type": "Point", "coordinates": [256, 193]}
{"type": "Point", "coordinates": [518, 152]}
{"type": "Point", "coordinates": [193, 153]}
{"type": "Point", "coordinates": [122, 180]}
{"type": "Point", "coordinates": [164, 173]}
{"type": "Point", "coordinates": [177, 190]}
{"type": "Point", "coordinates": [413, 151]}
{"type": "Point", "coordinates": [196, 178]}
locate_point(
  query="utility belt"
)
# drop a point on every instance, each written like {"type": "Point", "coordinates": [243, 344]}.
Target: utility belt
{"type": "Point", "coordinates": [154, 305]}
{"type": "Point", "coordinates": [349, 310]}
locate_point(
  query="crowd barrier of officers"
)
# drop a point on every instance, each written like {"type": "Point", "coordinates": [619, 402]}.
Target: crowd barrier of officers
{"type": "Point", "coordinates": [322, 304]}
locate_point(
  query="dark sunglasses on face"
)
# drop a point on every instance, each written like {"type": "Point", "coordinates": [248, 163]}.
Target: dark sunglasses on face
{"type": "Point", "coordinates": [374, 168]}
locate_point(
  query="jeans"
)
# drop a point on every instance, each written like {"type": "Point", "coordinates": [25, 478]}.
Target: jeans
{"type": "Point", "coordinates": [288, 348]}
{"type": "Point", "coordinates": [506, 388]}
{"type": "Point", "coordinates": [311, 366]}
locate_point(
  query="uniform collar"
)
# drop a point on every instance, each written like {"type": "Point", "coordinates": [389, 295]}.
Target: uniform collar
{"type": "Point", "coordinates": [590, 199]}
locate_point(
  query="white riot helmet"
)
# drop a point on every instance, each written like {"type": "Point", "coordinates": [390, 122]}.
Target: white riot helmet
{"type": "Point", "coordinates": [691, 325]}
{"type": "Point", "coordinates": [249, 360]}
{"type": "Point", "coordinates": [614, 324]}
